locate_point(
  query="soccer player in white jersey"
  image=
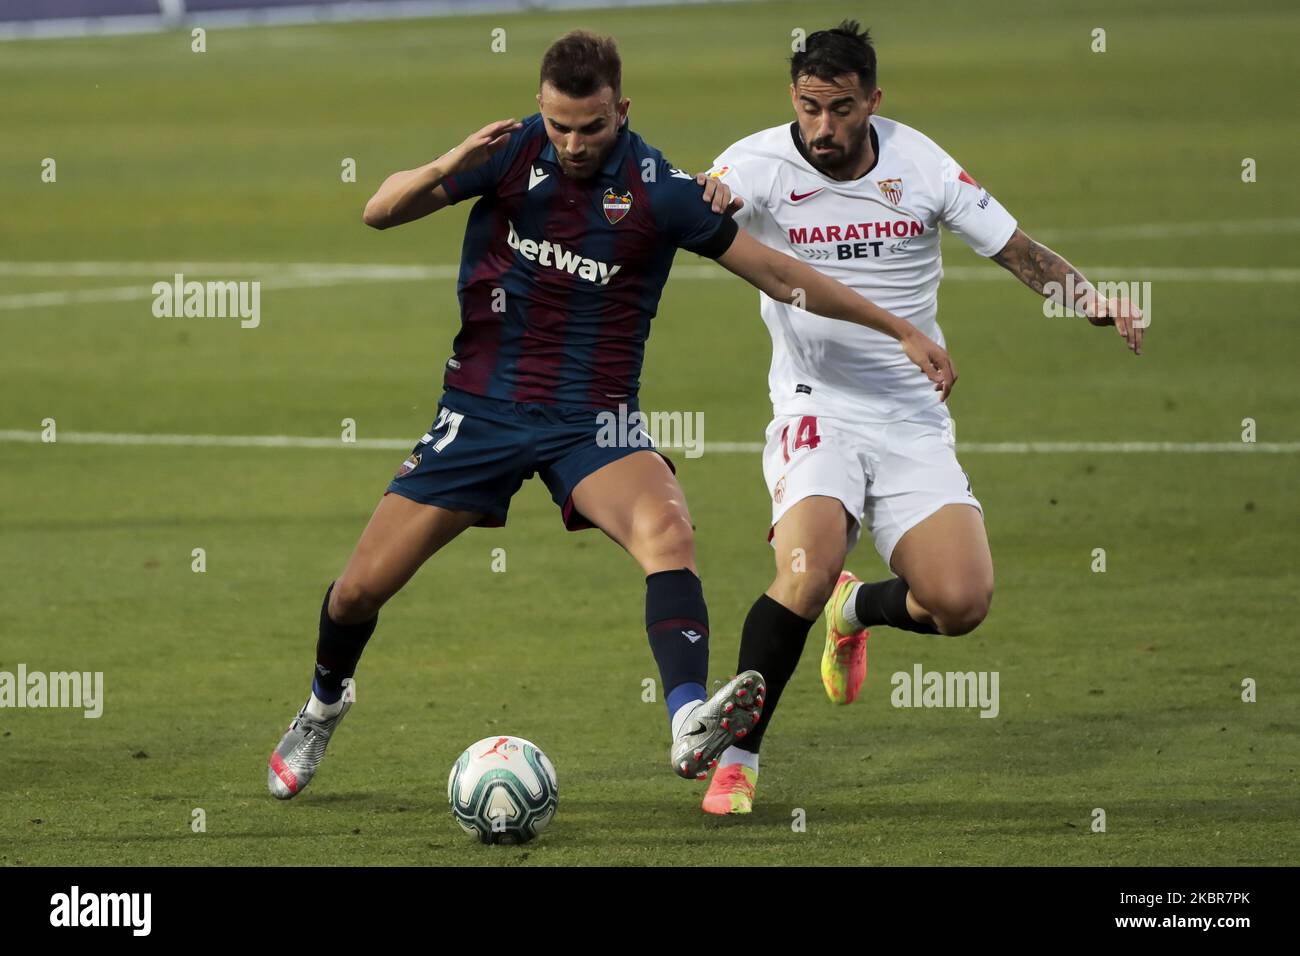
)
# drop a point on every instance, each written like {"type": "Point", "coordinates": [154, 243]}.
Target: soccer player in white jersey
{"type": "Point", "coordinates": [857, 439]}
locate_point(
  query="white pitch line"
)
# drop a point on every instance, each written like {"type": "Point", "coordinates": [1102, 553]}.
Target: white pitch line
{"type": "Point", "coordinates": [308, 275]}
{"type": "Point", "coordinates": [130, 293]}
{"type": "Point", "coordinates": [32, 300]}
{"type": "Point", "coordinates": [209, 441]}
{"type": "Point", "coordinates": [721, 447]}
{"type": "Point", "coordinates": [165, 270]}
{"type": "Point", "coordinates": [1130, 447]}
{"type": "Point", "coordinates": [1213, 274]}
{"type": "Point", "coordinates": [298, 275]}
{"type": "Point", "coordinates": [1174, 230]}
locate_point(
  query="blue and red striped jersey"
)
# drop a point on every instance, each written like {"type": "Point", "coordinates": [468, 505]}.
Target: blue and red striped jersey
{"type": "Point", "coordinates": [559, 278]}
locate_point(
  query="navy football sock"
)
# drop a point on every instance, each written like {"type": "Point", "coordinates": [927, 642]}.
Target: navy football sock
{"type": "Point", "coordinates": [771, 643]}
{"type": "Point", "coordinates": [338, 649]}
{"type": "Point", "coordinates": [677, 623]}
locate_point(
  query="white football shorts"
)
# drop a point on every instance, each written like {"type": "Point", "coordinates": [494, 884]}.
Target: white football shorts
{"type": "Point", "coordinates": [890, 476]}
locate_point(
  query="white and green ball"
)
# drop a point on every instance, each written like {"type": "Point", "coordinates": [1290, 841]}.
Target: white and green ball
{"type": "Point", "coordinates": [503, 790]}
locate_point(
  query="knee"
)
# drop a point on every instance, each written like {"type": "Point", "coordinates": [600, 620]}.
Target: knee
{"type": "Point", "coordinates": [354, 600]}
{"type": "Point", "coordinates": [959, 610]}
{"type": "Point", "coordinates": [665, 537]}
{"type": "Point", "coordinates": [807, 590]}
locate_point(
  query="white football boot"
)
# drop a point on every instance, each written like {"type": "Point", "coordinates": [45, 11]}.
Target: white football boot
{"type": "Point", "coordinates": [295, 761]}
{"type": "Point", "coordinates": [716, 724]}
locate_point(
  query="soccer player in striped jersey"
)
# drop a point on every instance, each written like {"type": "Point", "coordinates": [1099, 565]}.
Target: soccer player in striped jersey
{"type": "Point", "coordinates": [566, 252]}
{"type": "Point", "coordinates": [854, 442]}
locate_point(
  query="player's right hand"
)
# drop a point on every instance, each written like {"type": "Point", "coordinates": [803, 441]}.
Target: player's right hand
{"type": "Point", "coordinates": [718, 194]}
{"type": "Point", "coordinates": [932, 359]}
{"type": "Point", "coordinates": [479, 147]}
{"type": "Point", "coordinates": [1125, 316]}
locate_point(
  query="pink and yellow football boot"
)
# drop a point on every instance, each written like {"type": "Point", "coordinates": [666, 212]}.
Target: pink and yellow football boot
{"type": "Point", "coordinates": [731, 790]}
{"type": "Point", "coordinates": [844, 660]}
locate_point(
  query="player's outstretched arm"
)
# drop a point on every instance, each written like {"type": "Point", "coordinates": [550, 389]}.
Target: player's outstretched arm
{"type": "Point", "coordinates": [1046, 273]}
{"type": "Point", "coordinates": [415, 193]}
{"type": "Point", "coordinates": [786, 279]}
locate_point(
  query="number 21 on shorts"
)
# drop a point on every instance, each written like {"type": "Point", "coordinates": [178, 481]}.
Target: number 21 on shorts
{"type": "Point", "coordinates": [451, 421]}
{"type": "Point", "coordinates": [805, 436]}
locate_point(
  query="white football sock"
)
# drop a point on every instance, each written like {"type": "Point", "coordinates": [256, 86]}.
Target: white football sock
{"type": "Point", "coordinates": [682, 712]}
{"type": "Point", "coordinates": [320, 710]}
{"type": "Point", "coordinates": [850, 610]}
{"type": "Point", "coordinates": [736, 755]}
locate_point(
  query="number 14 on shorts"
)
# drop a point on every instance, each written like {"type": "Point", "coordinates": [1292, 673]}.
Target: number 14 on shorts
{"type": "Point", "coordinates": [805, 436]}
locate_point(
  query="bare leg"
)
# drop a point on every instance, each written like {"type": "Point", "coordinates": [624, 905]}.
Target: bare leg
{"type": "Point", "coordinates": [401, 536]}
{"type": "Point", "coordinates": [638, 502]}
{"type": "Point", "coordinates": [946, 563]}
{"type": "Point", "coordinates": [810, 543]}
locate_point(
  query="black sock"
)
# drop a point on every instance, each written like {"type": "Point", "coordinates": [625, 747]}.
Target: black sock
{"type": "Point", "coordinates": [771, 643]}
{"type": "Point", "coordinates": [885, 602]}
{"type": "Point", "coordinates": [338, 649]}
{"type": "Point", "coordinates": [677, 623]}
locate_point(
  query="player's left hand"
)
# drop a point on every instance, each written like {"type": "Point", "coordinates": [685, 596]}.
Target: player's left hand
{"type": "Point", "coordinates": [718, 194]}
{"type": "Point", "coordinates": [932, 359]}
{"type": "Point", "coordinates": [1125, 316]}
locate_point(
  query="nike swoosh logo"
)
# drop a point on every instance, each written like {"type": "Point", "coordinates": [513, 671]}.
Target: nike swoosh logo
{"type": "Point", "coordinates": [693, 731]}
{"type": "Point", "coordinates": [800, 197]}
{"type": "Point", "coordinates": [535, 176]}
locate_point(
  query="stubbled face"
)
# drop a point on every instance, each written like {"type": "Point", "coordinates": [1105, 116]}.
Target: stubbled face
{"type": "Point", "coordinates": [582, 130]}
{"type": "Point", "coordinates": [834, 118]}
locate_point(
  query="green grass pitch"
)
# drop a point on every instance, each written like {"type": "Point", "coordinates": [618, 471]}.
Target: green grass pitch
{"type": "Point", "coordinates": [1119, 690]}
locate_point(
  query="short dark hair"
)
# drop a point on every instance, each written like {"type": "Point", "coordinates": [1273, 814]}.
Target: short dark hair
{"type": "Point", "coordinates": [828, 54]}
{"type": "Point", "coordinates": [579, 64]}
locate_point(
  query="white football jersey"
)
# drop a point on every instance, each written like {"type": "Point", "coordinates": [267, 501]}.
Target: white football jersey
{"type": "Point", "coordinates": [878, 235]}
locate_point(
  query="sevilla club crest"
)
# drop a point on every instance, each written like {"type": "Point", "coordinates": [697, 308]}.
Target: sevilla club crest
{"type": "Point", "coordinates": [892, 189]}
{"type": "Point", "coordinates": [616, 204]}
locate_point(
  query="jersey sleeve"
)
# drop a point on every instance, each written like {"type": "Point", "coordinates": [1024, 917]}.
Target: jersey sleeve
{"type": "Point", "coordinates": [483, 179]}
{"type": "Point", "coordinates": [687, 220]}
{"type": "Point", "coordinates": [972, 213]}
{"type": "Point", "coordinates": [734, 170]}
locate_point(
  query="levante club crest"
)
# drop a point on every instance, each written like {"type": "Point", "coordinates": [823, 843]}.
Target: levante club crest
{"type": "Point", "coordinates": [408, 466]}
{"type": "Point", "coordinates": [616, 204]}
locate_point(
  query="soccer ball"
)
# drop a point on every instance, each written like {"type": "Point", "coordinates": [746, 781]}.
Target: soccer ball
{"type": "Point", "coordinates": [503, 790]}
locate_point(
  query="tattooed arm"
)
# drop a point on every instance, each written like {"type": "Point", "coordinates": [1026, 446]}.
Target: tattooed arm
{"type": "Point", "coordinates": [1050, 275]}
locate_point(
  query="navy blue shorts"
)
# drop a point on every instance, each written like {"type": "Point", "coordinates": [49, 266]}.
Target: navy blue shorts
{"type": "Point", "coordinates": [480, 451]}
